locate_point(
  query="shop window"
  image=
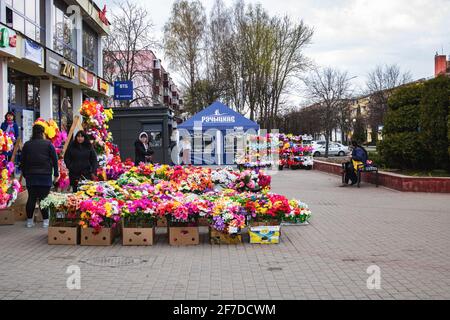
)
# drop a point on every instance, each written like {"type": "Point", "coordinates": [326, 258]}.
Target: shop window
{"type": "Point", "coordinates": [90, 49]}
{"type": "Point", "coordinates": [25, 16]}
{"type": "Point", "coordinates": [64, 31]}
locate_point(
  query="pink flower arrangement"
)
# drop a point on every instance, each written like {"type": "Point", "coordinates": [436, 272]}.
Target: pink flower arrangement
{"type": "Point", "coordinates": [100, 212]}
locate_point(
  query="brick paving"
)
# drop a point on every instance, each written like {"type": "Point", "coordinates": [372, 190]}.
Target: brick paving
{"type": "Point", "coordinates": [406, 235]}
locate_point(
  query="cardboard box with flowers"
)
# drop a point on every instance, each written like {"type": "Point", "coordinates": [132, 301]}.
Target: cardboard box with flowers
{"type": "Point", "coordinates": [99, 220]}
{"type": "Point", "coordinates": [138, 221]}
{"type": "Point", "coordinates": [64, 228]}
{"type": "Point", "coordinates": [9, 187]}
{"type": "Point", "coordinates": [227, 219]}
{"type": "Point", "coordinates": [182, 213]}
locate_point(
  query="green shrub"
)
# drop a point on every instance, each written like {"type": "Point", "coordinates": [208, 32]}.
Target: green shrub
{"type": "Point", "coordinates": [434, 109]}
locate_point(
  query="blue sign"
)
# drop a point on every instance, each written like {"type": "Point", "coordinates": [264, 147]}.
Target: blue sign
{"type": "Point", "coordinates": [123, 90]}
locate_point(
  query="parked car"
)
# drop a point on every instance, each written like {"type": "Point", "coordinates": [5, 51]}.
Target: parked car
{"type": "Point", "coordinates": [334, 149]}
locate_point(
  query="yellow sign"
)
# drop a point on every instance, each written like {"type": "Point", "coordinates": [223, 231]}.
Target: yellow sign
{"type": "Point", "coordinates": [67, 70]}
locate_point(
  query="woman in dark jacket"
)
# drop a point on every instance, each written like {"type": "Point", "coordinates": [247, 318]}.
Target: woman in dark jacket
{"type": "Point", "coordinates": [81, 160]}
{"type": "Point", "coordinates": [39, 162]}
{"type": "Point", "coordinates": [143, 152]}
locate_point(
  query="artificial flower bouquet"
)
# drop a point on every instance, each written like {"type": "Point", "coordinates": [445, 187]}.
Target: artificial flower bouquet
{"type": "Point", "coordinates": [227, 215]}
{"type": "Point", "coordinates": [252, 180]}
{"type": "Point", "coordinates": [139, 213]}
{"type": "Point", "coordinates": [95, 123]}
{"type": "Point", "coordinates": [63, 207]}
{"type": "Point", "coordinates": [53, 133]}
{"type": "Point", "coordinates": [98, 213]}
{"type": "Point", "coordinates": [6, 142]}
{"type": "Point", "coordinates": [299, 213]}
{"type": "Point", "coordinates": [9, 187]}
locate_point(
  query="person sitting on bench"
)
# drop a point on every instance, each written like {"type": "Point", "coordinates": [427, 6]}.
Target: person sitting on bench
{"type": "Point", "coordinates": [359, 157]}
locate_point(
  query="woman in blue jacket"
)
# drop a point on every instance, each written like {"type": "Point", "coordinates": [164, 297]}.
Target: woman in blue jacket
{"type": "Point", "coordinates": [10, 126]}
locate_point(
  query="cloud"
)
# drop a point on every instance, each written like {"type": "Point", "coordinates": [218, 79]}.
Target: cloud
{"type": "Point", "coordinates": [357, 35]}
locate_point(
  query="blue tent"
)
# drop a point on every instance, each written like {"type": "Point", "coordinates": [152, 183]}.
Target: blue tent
{"type": "Point", "coordinates": [222, 119]}
{"type": "Point", "coordinates": [219, 116]}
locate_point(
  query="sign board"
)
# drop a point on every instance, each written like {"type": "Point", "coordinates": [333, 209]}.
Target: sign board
{"type": "Point", "coordinates": [8, 41]}
{"type": "Point", "coordinates": [103, 86]}
{"type": "Point", "coordinates": [218, 117]}
{"type": "Point", "coordinates": [61, 68]}
{"type": "Point", "coordinates": [88, 79]}
{"type": "Point", "coordinates": [123, 90]}
{"type": "Point", "coordinates": [33, 52]}
{"type": "Point", "coordinates": [27, 123]}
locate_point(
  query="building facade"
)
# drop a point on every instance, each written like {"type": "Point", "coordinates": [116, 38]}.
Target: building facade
{"type": "Point", "coordinates": [441, 65]}
{"type": "Point", "coordinates": [50, 59]}
{"type": "Point", "coordinates": [152, 84]}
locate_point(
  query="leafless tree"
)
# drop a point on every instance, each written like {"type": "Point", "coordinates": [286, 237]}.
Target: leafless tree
{"type": "Point", "coordinates": [328, 87]}
{"type": "Point", "coordinates": [379, 85]}
{"type": "Point", "coordinates": [184, 43]}
{"type": "Point", "coordinates": [126, 47]}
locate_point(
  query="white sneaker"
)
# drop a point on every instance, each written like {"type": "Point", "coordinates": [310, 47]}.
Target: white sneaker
{"type": "Point", "coordinates": [30, 223]}
{"type": "Point", "coordinates": [46, 223]}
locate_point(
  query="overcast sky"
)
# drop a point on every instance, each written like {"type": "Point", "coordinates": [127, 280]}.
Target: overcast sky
{"type": "Point", "coordinates": [356, 35]}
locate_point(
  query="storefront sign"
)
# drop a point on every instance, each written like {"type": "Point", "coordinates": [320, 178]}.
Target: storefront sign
{"type": "Point", "coordinates": [103, 86]}
{"type": "Point", "coordinates": [123, 90]}
{"type": "Point", "coordinates": [59, 67]}
{"type": "Point", "coordinates": [33, 51]}
{"type": "Point", "coordinates": [218, 117]}
{"type": "Point", "coordinates": [8, 41]}
{"type": "Point", "coordinates": [68, 70]}
{"type": "Point", "coordinates": [88, 79]}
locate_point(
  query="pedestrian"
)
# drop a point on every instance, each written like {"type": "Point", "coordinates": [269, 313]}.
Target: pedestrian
{"type": "Point", "coordinates": [10, 127]}
{"type": "Point", "coordinates": [186, 148]}
{"type": "Point", "coordinates": [39, 162]}
{"type": "Point", "coordinates": [81, 160]}
{"type": "Point", "coordinates": [359, 158]}
{"type": "Point", "coordinates": [143, 151]}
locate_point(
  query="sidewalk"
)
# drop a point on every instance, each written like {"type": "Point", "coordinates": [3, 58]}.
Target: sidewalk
{"type": "Point", "coordinates": [406, 235]}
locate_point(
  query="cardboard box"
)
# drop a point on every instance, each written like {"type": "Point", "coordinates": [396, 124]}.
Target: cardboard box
{"type": "Point", "coordinates": [64, 234]}
{"type": "Point", "coordinates": [37, 215]}
{"type": "Point", "coordinates": [7, 216]}
{"type": "Point", "coordinates": [20, 213]}
{"type": "Point", "coordinates": [138, 236]}
{"type": "Point", "coordinates": [19, 206]}
{"type": "Point", "coordinates": [217, 237]}
{"type": "Point", "coordinates": [184, 236]}
{"type": "Point", "coordinates": [90, 238]}
{"type": "Point", "coordinates": [264, 223]}
{"type": "Point", "coordinates": [264, 234]}
{"type": "Point", "coordinates": [161, 222]}
{"type": "Point", "coordinates": [203, 222]}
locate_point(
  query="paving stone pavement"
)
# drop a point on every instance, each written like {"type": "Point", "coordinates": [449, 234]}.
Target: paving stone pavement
{"type": "Point", "coordinates": [406, 235]}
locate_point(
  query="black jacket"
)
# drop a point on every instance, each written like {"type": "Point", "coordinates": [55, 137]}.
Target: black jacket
{"type": "Point", "coordinates": [81, 160]}
{"type": "Point", "coordinates": [39, 158]}
{"type": "Point", "coordinates": [140, 152]}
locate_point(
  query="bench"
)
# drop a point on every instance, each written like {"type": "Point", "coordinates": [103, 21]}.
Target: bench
{"type": "Point", "coordinates": [362, 168]}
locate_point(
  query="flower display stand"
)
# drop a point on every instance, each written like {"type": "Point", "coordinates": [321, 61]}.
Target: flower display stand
{"type": "Point", "coordinates": [64, 233]}
{"type": "Point", "coordinates": [105, 237]}
{"type": "Point", "coordinates": [138, 235]}
{"type": "Point", "coordinates": [183, 234]}
{"type": "Point", "coordinates": [264, 232]}
{"type": "Point", "coordinates": [217, 237]}
{"type": "Point", "coordinates": [7, 216]}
